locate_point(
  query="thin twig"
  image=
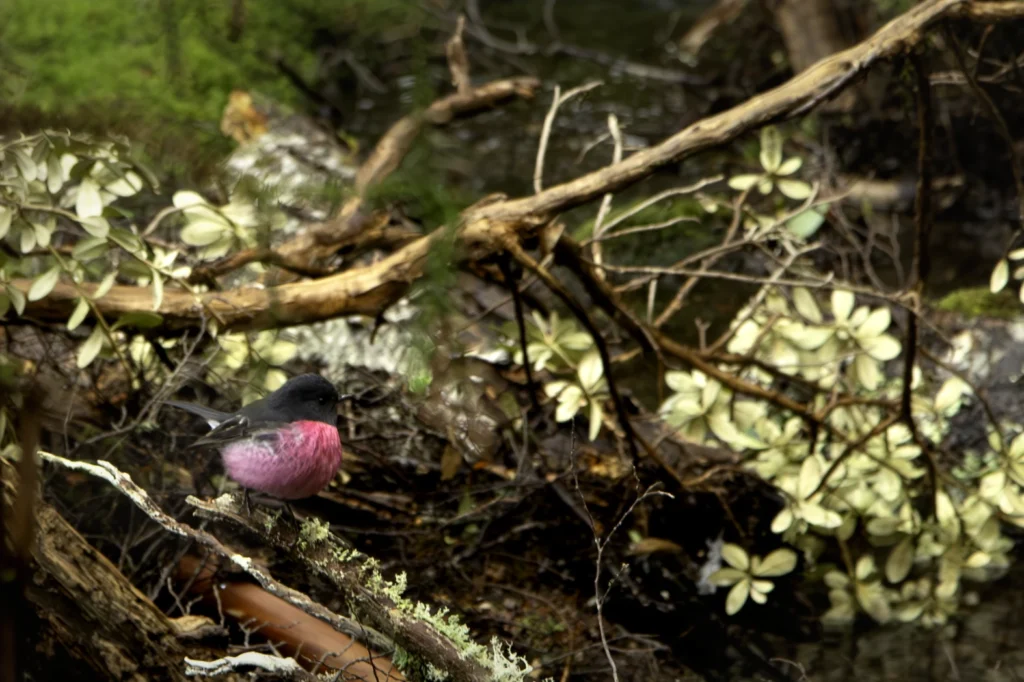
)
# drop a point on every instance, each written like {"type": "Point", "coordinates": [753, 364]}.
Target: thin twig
{"type": "Point", "coordinates": [606, 201]}
{"type": "Point", "coordinates": [677, 301]}
{"type": "Point", "coordinates": [517, 303]}
{"type": "Point", "coordinates": [601, 545]}
{"type": "Point", "coordinates": [557, 100]}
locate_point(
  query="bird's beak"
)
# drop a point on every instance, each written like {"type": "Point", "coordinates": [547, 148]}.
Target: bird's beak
{"type": "Point", "coordinates": [346, 396]}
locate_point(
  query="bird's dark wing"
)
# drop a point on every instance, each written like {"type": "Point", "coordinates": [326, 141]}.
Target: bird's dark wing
{"type": "Point", "coordinates": [212, 416]}
{"type": "Point", "coordinates": [241, 427]}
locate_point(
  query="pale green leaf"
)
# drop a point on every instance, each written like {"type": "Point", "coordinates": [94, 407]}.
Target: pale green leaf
{"type": "Point", "coordinates": [127, 185]}
{"type": "Point", "coordinates": [782, 521]}
{"type": "Point", "coordinates": [43, 232]}
{"type": "Point", "coordinates": [878, 321]}
{"type": "Point", "coordinates": [275, 379]}
{"type": "Point", "coordinates": [949, 394]}
{"type": "Point", "coordinates": [888, 484]}
{"type": "Point", "coordinates": [54, 174]}
{"type": "Point", "coordinates": [805, 304]}
{"type": "Point", "coordinates": [884, 347]}
{"type": "Point", "coordinates": [26, 166]}
{"type": "Point", "coordinates": [978, 560]}
{"type": "Point", "coordinates": [576, 341]}
{"type": "Point", "coordinates": [97, 226]}
{"type": "Point", "coordinates": [92, 346]}
{"type": "Point", "coordinates": [865, 567]}
{"type": "Point", "coordinates": [1016, 254]}
{"type": "Point", "coordinates": [842, 304]}
{"type": "Point", "coordinates": [595, 420]}
{"type": "Point", "coordinates": [6, 214]}
{"type": "Point", "coordinates": [590, 370]}
{"type": "Point", "coordinates": [17, 298]}
{"type": "Point", "coordinates": [794, 189]}
{"type": "Point", "coordinates": [680, 381]}
{"type": "Point", "coordinates": [709, 394]}
{"type": "Point", "coordinates": [872, 600]}
{"type": "Point", "coordinates": [804, 224]}
{"type": "Point", "coordinates": [882, 526]}
{"type": "Point", "coordinates": [790, 166]}
{"type": "Point", "coordinates": [737, 597]}
{"type": "Point", "coordinates": [78, 315]}
{"type": "Point", "coordinates": [803, 337]}
{"type": "Point", "coordinates": [158, 290]}
{"type": "Point", "coordinates": [836, 580]}
{"type": "Point", "coordinates": [281, 352]}
{"type": "Point", "coordinates": [909, 611]}
{"type": "Point", "coordinates": [553, 388]}
{"type": "Point", "coordinates": [735, 556]}
{"type": "Point", "coordinates": [1017, 447]}
{"type": "Point", "coordinates": [810, 477]}
{"type": "Point", "coordinates": [89, 248]}
{"type": "Point", "coordinates": [901, 558]}
{"type": "Point", "coordinates": [44, 284]}
{"type": "Point", "coordinates": [104, 286]}
{"type": "Point", "coordinates": [945, 512]}
{"type": "Point", "coordinates": [724, 577]}
{"type": "Point", "coordinates": [816, 515]}
{"type": "Point", "coordinates": [187, 198]}
{"type": "Point", "coordinates": [771, 149]}
{"type": "Point", "coordinates": [569, 403]}
{"type": "Point", "coordinates": [128, 241]}
{"type": "Point", "coordinates": [1000, 276]}
{"type": "Point", "coordinates": [139, 319]}
{"type": "Point", "coordinates": [779, 562]}
{"type": "Point", "coordinates": [741, 183]}
{"type": "Point", "coordinates": [868, 374]}
{"type": "Point", "coordinates": [27, 236]}
{"type": "Point", "coordinates": [722, 426]}
{"type": "Point", "coordinates": [682, 407]}
{"type": "Point", "coordinates": [992, 485]}
{"type": "Point", "coordinates": [88, 203]}
{"type": "Point", "coordinates": [203, 232]}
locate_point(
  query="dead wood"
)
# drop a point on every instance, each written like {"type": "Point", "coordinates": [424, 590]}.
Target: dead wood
{"type": "Point", "coordinates": [810, 29]}
{"type": "Point", "coordinates": [722, 13]}
{"type": "Point", "coordinates": [381, 623]}
{"type": "Point", "coordinates": [314, 643]}
{"type": "Point", "coordinates": [371, 289]}
{"type": "Point", "coordinates": [90, 609]}
{"type": "Point", "coordinates": [352, 574]}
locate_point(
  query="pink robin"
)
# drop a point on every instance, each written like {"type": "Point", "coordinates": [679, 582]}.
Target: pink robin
{"type": "Point", "coordinates": [285, 445]}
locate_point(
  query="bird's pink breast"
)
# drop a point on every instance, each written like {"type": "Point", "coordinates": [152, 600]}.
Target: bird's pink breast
{"type": "Point", "coordinates": [302, 461]}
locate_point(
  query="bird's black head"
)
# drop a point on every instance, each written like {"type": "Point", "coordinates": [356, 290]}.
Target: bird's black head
{"type": "Point", "coordinates": [307, 397]}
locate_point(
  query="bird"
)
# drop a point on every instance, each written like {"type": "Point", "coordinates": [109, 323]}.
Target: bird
{"type": "Point", "coordinates": [285, 445]}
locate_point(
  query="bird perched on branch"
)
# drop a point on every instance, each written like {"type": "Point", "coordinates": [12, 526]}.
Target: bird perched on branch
{"type": "Point", "coordinates": [285, 444]}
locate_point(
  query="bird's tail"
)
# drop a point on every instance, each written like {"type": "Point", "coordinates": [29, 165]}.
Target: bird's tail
{"type": "Point", "coordinates": [213, 417]}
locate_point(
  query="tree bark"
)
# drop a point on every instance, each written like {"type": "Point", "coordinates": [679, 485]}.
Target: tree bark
{"type": "Point", "coordinates": [88, 608]}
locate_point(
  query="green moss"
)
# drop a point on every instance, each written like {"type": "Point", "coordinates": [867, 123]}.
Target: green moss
{"type": "Point", "coordinates": [980, 302]}
{"type": "Point", "coordinates": [313, 532]}
{"type": "Point", "coordinates": [166, 67]}
{"type": "Point", "coordinates": [270, 521]}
